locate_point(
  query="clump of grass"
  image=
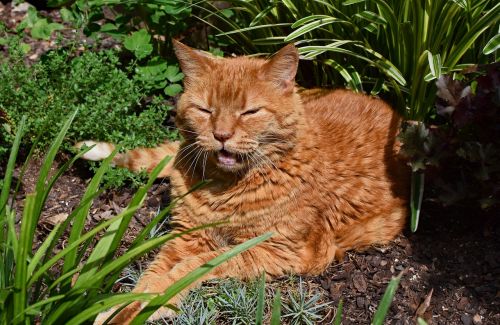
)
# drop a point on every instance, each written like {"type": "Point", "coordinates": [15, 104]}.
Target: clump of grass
{"type": "Point", "coordinates": [304, 307]}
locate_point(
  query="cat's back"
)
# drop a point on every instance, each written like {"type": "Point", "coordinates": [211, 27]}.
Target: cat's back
{"type": "Point", "coordinates": [346, 108]}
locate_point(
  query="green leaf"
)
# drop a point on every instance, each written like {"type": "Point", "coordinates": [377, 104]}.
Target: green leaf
{"type": "Point", "coordinates": [42, 29]}
{"type": "Point", "coordinates": [385, 303]}
{"type": "Point", "coordinates": [67, 15]}
{"type": "Point", "coordinates": [310, 27]}
{"type": "Point", "coordinates": [173, 74]}
{"type": "Point", "coordinates": [139, 43]}
{"type": "Point", "coordinates": [173, 89]}
{"type": "Point", "coordinates": [434, 64]}
{"type": "Point", "coordinates": [492, 45]}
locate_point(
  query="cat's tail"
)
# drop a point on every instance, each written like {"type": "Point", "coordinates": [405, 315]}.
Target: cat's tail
{"type": "Point", "coordinates": [135, 160]}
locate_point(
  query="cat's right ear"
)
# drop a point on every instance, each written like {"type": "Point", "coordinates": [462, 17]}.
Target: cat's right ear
{"type": "Point", "coordinates": [193, 63]}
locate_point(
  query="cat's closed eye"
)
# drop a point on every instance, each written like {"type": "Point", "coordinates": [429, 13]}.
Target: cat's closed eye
{"type": "Point", "coordinates": [203, 110]}
{"type": "Point", "coordinates": [251, 111]}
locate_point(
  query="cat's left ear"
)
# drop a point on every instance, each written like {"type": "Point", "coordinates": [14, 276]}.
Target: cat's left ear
{"type": "Point", "coordinates": [193, 62]}
{"type": "Point", "coordinates": [282, 67]}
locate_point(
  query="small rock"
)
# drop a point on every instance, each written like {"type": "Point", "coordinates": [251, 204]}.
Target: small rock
{"type": "Point", "coordinates": [462, 304]}
{"type": "Point", "coordinates": [477, 320]}
{"type": "Point", "coordinates": [360, 302]}
{"type": "Point", "coordinates": [56, 219]}
{"type": "Point", "coordinates": [466, 319]}
{"type": "Point", "coordinates": [359, 282]}
{"type": "Point", "coordinates": [21, 8]}
{"type": "Point", "coordinates": [383, 263]}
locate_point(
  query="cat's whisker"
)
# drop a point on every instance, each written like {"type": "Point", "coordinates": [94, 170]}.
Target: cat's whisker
{"type": "Point", "coordinates": [204, 165]}
{"type": "Point", "coordinates": [195, 164]}
{"type": "Point", "coordinates": [186, 155]}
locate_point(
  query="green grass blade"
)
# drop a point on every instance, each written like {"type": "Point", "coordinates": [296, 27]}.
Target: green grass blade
{"type": "Point", "coordinates": [106, 247]}
{"type": "Point", "coordinates": [70, 260]}
{"type": "Point", "coordinates": [41, 187]}
{"type": "Point", "coordinates": [124, 260]}
{"type": "Point", "coordinates": [276, 309]}
{"type": "Point", "coordinates": [261, 300]}
{"type": "Point", "coordinates": [309, 27]}
{"type": "Point", "coordinates": [338, 314]}
{"type": "Point", "coordinates": [4, 196]}
{"type": "Point", "coordinates": [195, 275]}
{"type": "Point", "coordinates": [105, 304]}
{"type": "Point", "coordinates": [417, 194]}
{"type": "Point", "coordinates": [40, 252]}
{"type": "Point", "coordinates": [385, 303]}
{"type": "Point", "coordinates": [22, 254]}
{"type": "Point", "coordinates": [46, 266]}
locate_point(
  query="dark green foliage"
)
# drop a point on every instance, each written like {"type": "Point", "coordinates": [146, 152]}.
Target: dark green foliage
{"type": "Point", "coordinates": [112, 101]}
{"type": "Point", "coordinates": [461, 151]}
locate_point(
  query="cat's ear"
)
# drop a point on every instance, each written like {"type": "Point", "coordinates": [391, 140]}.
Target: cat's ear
{"type": "Point", "coordinates": [192, 62]}
{"type": "Point", "coordinates": [282, 67]}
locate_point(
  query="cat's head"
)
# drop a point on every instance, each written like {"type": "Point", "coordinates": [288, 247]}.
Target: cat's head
{"type": "Point", "coordinates": [239, 112]}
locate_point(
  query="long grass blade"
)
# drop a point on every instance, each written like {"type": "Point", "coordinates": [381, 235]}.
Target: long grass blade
{"type": "Point", "coordinates": [385, 303]}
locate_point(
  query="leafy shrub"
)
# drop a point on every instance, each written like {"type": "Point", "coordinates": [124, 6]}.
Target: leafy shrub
{"type": "Point", "coordinates": [145, 29]}
{"type": "Point", "coordinates": [460, 151]}
{"type": "Point", "coordinates": [112, 105]}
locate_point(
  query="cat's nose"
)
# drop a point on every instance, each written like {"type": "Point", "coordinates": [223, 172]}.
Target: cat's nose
{"type": "Point", "coordinates": [222, 136]}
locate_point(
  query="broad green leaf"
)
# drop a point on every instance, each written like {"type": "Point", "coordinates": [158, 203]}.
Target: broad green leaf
{"type": "Point", "coordinates": [173, 74]}
{"type": "Point", "coordinates": [139, 43]}
{"type": "Point", "coordinates": [42, 29]}
{"type": "Point", "coordinates": [173, 89]}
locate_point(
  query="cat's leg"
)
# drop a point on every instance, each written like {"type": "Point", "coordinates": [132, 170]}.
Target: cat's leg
{"type": "Point", "coordinates": [272, 258]}
{"type": "Point", "coordinates": [135, 160]}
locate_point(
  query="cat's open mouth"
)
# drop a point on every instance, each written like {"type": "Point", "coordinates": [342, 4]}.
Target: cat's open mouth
{"type": "Point", "coordinates": [227, 159]}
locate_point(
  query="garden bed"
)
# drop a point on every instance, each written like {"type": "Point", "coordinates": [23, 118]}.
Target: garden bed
{"type": "Point", "coordinates": [453, 255]}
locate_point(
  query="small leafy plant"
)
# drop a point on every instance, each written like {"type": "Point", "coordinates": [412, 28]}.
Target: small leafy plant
{"type": "Point", "coordinates": [144, 28]}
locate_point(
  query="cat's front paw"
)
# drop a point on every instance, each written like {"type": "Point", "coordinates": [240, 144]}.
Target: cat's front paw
{"type": "Point", "coordinates": [127, 315]}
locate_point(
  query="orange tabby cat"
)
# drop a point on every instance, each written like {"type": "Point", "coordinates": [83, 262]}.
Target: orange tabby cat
{"type": "Point", "coordinates": [320, 169]}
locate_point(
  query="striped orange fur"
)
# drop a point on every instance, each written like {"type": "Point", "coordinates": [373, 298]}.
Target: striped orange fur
{"type": "Point", "coordinates": [318, 168]}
